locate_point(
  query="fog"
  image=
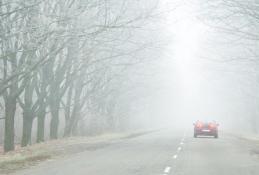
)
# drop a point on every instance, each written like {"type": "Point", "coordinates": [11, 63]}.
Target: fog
{"type": "Point", "coordinates": [87, 68]}
{"type": "Point", "coordinates": [203, 73]}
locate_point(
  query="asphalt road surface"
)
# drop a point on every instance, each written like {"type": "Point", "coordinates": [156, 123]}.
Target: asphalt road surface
{"type": "Point", "coordinates": [165, 152]}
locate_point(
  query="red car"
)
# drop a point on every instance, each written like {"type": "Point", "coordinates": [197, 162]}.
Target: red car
{"type": "Point", "coordinates": [205, 129]}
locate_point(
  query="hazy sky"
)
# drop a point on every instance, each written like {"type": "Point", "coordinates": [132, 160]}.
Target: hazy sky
{"type": "Point", "coordinates": [194, 82]}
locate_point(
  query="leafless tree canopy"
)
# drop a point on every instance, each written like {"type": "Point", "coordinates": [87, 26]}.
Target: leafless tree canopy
{"type": "Point", "coordinates": [68, 60]}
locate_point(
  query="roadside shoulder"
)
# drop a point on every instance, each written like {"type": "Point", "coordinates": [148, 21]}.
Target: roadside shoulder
{"type": "Point", "coordinates": [28, 156]}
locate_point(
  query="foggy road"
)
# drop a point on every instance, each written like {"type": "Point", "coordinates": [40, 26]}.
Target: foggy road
{"type": "Point", "coordinates": [108, 87]}
{"type": "Point", "coordinates": [163, 152]}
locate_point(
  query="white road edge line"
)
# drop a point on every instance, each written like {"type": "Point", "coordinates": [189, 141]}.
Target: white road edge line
{"type": "Point", "coordinates": [167, 169]}
{"type": "Point", "coordinates": [181, 143]}
{"type": "Point", "coordinates": [175, 156]}
{"type": "Point", "coordinates": [179, 148]}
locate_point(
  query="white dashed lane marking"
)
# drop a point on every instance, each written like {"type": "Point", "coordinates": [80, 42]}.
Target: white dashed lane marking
{"type": "Point", "coordinates": [179, 148]}
{"type": "Point", "coordinates": [167, 169]}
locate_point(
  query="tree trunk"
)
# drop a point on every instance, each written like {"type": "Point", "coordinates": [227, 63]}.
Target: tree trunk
{"type": "Point", "coordinates": [10, 108]}
{"type": "Point", "coordinates": [54, 123]}
{"type": "Point", "coordinates": [72, 122]}
{"type": "Point", "coordinates": [41, 125]}
{"type": "Point", "coordinates": [67, 128]}
{"type": "Point", "coordinates": [75, 128]}
{"type": "Point", "coordinates": [68, 111]}
{"type": "Point", "coordinates": [27, 128]}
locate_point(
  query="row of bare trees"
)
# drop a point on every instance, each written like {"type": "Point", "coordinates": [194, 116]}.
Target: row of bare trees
{"type": "Point", "coordinates": [65, 58]}
{"type": "Point", "coordinates": [237, 23]}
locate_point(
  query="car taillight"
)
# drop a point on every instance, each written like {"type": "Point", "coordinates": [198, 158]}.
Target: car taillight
{"type": "Point", "coordinates": [211, 125]}
{"type": "Point", "coordinates": [199, 125]}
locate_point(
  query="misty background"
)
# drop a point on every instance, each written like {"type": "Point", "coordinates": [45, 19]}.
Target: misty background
{"type": "Point", "coordinates": [127, 65]}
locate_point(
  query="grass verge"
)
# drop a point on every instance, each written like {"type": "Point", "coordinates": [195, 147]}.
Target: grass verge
{"type": "Point", "coordinates": [25, 157]}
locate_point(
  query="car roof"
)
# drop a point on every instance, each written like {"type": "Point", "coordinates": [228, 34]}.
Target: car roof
{"type": "Point", "coordinates": [206, 121]}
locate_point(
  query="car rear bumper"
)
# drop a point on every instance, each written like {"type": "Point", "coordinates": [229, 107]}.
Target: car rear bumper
{"type": "Point", "coordinates": [206, 132]}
